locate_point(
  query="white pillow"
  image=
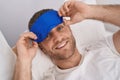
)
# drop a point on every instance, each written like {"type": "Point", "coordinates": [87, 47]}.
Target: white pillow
{"type": "Point", "coordinates": [84, 32]}
{"type": "Point", "coordinates": [7, 60]}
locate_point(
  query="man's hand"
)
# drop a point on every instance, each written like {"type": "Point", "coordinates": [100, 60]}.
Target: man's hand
{"type": "Point", "coordinates": [25, 54]}
{"type": "Point", "coordinates": [76, 10]}
{"type": "Point", "coordinates": [25, 50]}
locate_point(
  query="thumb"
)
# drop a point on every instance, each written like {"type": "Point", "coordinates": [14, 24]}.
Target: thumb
{"type": "Point", "coordinates": [69, 22]}
{"type": "Point", "coordinates": [33, 49]}
{"type": "Point", "coordinates": [34, 46]}
{"type": "Point", "coordinates": [66, 22]}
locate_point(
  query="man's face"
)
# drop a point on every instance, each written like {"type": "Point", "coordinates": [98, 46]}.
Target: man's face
{"type": "Point", "coordinates": [60, 43]}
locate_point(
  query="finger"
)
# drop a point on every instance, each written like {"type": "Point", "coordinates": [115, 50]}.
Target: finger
{"type": "Point", "coordinates": [64, 9]}
{"type": "Point", "coordinates": [59, 12]}
{"type": "Point", "coordinates": [62, 12]}
{"type": "Point", "coordinates": [28, 35]}
{"type": "Point", "coordinates": [66, 6]}
{"type": "Point", "coordinates": [64, 21]}
{"type": "Point", "coordinates": [70, 13]}
{"type": "Point", "coordinates": [35, 44]}
{"type": "Point", "coordinates": [69, 22]}
{"type": "Point", "coordinates": [25, 37]}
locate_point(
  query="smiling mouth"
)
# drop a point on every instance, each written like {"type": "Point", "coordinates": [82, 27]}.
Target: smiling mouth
{"type": "Point", "coordinates": [61, 45]}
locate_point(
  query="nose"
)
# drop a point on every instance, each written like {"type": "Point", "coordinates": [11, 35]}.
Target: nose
{"type": "Point", "coordinates": [57, 37]}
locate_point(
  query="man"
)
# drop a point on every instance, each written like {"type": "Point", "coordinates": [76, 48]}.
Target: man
{"type": "Point", "coordinates": [57, 41]}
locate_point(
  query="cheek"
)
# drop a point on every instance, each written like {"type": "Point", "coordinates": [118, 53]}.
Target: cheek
{"type": "Point", "coordinates": [68, 31]}
{"type": "Point", "coordinates": [69, 34]}
{"type": "Point", "coordinates": [47, 45]}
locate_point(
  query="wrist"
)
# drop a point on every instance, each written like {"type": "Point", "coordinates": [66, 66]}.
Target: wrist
{"type": "Point", "coordinates": [24, 59]}
{"type": "Point", "coordinates": [22, 70]}
{"type": "Point", "coordinates": [23, 63]}
{"type": "Point", "coordinates": [90, 12]}
{"type": "Point", "coordinates": [87, 11]}
{"type": "Point", "coordinates": [96, 12]}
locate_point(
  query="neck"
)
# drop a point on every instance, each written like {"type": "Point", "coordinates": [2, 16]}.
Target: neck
{"type": "Point", "coordinates": [70, 62]}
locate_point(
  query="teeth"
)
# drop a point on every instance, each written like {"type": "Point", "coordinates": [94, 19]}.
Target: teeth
{"type": "Point", "coordinates": [61, 45]}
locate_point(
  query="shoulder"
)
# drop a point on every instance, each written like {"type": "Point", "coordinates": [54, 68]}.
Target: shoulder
{"type": "Point", "coordinates": [105, 44]}
{"type": "Point", "coordinates": [94, 45]}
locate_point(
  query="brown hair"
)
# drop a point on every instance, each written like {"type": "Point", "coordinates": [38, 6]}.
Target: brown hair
{"type": "Point", "coordinates": [36, 15]}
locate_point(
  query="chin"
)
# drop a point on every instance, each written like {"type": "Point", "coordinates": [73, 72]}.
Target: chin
{"type": "Point", "coordinates": [65, 54]}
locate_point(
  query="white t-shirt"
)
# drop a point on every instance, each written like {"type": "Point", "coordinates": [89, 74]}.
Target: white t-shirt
{"type": "Point", "coordinates": [100, 61]}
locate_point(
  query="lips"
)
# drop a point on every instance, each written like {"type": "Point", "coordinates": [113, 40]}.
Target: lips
{"type": "Point", "coordinates": [61, 45]}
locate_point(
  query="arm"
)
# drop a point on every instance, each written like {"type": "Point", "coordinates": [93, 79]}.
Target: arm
{"type": "Point", "coordinates": [22, 71]}
{"type": "Point", "coordinates": [111, 14]}
{"type": "Point", "coordinates": [79, 11]}
{"type": "Point", "coordinates": [106, 13]}
{"type": "Point", "coordinates": [25, 54]}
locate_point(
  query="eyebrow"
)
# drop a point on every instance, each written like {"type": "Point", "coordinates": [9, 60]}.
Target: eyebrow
{"type": "Point", "coordinates": [61, 25]}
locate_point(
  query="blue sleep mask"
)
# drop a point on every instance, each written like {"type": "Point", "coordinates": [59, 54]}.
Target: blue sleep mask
{"type": "Point", "coordinates": [45, 23]}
